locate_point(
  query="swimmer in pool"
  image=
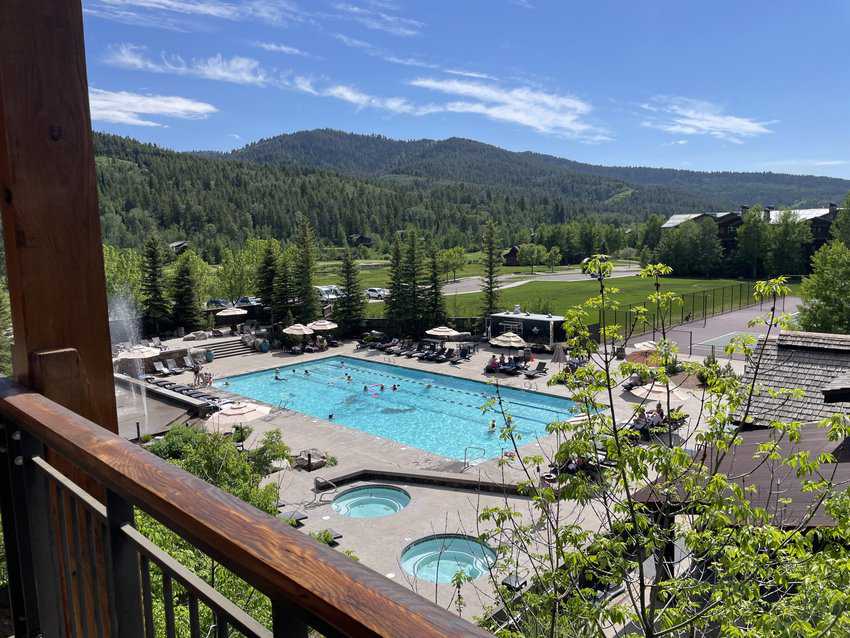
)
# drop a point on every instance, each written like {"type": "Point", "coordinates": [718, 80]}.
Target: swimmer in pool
{"type": "Point", "coordinates": [306, 373]}
{"type": "Point", "coordinates": [382, 387]}
{"type": "Point", "coordinates": [331, 416]}
{"type": "Point", "coordinates": [348, 378]}
{"type": "Point", "coordinates": [428, 386]}
{"type": "Point", "coordinates": [365, 388]}
{"type": "Point", "coordinates": [277, 374]}
{"type": "Point", "coordinates": [492, 425]}
{"type": "Point", "coordinates": [395, 387]}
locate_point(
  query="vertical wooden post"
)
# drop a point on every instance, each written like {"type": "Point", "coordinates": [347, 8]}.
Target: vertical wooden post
{"type": "Point", "coordinates": [48, 195]}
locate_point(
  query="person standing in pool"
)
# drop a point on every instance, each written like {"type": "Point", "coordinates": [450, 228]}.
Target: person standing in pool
{"type": "Point", "coordinates": [277, 374]}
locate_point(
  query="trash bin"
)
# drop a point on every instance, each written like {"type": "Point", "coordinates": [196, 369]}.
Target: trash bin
{"type": "Point", "coordinates": [209, 356]}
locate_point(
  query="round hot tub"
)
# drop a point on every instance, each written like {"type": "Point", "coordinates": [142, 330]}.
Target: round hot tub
{"type": "Point", "coordinates": [371, 501]}
{"type": "Point", "coordinates": [438, 558]}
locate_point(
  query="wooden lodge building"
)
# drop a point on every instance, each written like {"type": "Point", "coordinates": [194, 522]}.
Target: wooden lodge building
{"type": "Point", "coordinates": [819, 220]}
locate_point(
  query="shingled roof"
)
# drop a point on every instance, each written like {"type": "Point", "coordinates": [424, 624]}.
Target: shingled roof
{"type": "Point", "coordinates": [776, 486]}
{"type": "Point", "coordinates": [810, 361]}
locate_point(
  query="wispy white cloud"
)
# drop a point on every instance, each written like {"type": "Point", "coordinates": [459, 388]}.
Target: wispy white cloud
{"type": "Point", "coordinates": [357, 97]}
{"type": "Point", "coordinates": [238, 69]}
{"type": "Point", "coordinates": [469, 74]}
{"type": "Point", "coordinates": [525, 4]}
{"type": "Point", "coordinates": [211, 8]}
{"type": "Point", "coordinates": [124, 107]}
{"type": "Point", "coordinates": [275, 47]}
{"type": "Point", "coordinates": [354, 43]}
{"type": "Point", "coordinates": [544, 112]}
{"type": "Point", "coordinates": [370, 49]}
{"type": "Point", "coordinates": [379, 20]}
{"type": "Point", "coordinates": [184, 15]}
{"type": "Point", "coordinates": [686, 116]}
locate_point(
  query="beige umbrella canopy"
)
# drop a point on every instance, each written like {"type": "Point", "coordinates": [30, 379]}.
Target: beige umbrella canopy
{"type": "Point", "coordinates": [443, 332]}
{"type": "Point", "coordinates": [232, 312]}
{"type": "Point", "coordinates": [654, 392]}
{"type": "Point", "coordinates": [508, 340]}
{"type": "Point", "coordinates": [322, 325]}
{"type": "Point", "coordinates": [298, 330]}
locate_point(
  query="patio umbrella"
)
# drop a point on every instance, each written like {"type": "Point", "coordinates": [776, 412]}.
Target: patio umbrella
{"type": "Point", "coordinates": [232, 312]}
{"type": "Point", "coordinates": [322, 325]}
{"type": "Point", "coordinates": [298, 329]}
{"type": "Point", "coordinates": [559, 356]}
{"type": "Point", "coordinates": [654, 392]}
{"type": "Point", "coordinates": [443, 332]}
{"type": "Point", "coordinates": [508, 340]}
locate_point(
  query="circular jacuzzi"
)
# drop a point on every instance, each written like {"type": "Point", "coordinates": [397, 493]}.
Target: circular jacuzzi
{"type": "Point", "coordinates": [438, 558]}
{"type": "Point", "coordinates": [371, 501]}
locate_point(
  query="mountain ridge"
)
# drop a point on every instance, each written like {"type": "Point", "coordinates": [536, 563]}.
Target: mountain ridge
{"type": "Point", "coordinates": [462, 159]}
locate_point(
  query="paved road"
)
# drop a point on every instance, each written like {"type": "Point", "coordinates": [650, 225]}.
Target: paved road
{"type": "Point", "coordinates": [473, 284]}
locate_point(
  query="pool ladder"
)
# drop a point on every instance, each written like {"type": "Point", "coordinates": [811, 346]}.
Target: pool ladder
{"type": "Point", "coordinates": [322, 487]}
{"type": "Point", "coordinates": [467, 460]}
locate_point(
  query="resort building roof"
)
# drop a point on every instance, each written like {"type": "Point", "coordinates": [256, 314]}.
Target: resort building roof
{"type": "Point", "coordinates": [776, 486]}
{"type": "Point", "coordinates": [811, 361]}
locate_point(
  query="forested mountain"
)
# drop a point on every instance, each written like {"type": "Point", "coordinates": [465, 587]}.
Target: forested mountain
{"type": "Point", "coordinates": [469, 161]}
{"type": "Point", "coordinates": [216, 200]}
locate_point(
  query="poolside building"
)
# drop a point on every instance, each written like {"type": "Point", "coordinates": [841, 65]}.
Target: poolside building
{"type": "Point", "coordinates": [536, 328]}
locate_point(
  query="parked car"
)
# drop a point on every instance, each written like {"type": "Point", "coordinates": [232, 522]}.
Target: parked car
{"type": "Point", "coordinates": [328, 293]}
{"type": "Point", "coordinates": [218, 303]}
{"type": "Point", "coordinates": [247, 301]}
{"type": "Point", "coordinates": [377, 293]}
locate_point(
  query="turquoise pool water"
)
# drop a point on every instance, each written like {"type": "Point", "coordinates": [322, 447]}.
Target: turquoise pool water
{"type": "Point", "coordinates": [371, 501]}
{"type": "Point", "coordinates": [433, 412]}
{"type": "Point", "coordinates": [438, 558]}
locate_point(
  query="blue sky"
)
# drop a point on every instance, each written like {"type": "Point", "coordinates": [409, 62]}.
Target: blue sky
{"type": "Point", "coordinates": [711, 85]}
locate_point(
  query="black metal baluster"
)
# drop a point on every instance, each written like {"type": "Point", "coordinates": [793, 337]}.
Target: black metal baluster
{"type": "Point", "coordinates": [220, 625]}
{"type": "Point", "coordinates": [147, 599]}
{"type": "Point", "coordinates": [168, 601]}
{"type": "Point", "coordinates": [286, 623]}
{"type": "Point", "coordinates": [194, 620]}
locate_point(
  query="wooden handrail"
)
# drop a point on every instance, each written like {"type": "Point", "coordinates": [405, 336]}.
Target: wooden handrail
{"type": "Point", "coordinates": [288, 566]}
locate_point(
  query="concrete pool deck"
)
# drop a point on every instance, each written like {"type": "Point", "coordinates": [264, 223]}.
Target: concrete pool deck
{"type": "Point", "coordinates": [433, 509]}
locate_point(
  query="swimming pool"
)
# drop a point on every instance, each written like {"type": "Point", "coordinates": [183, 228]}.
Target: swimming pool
{"type": "Point", "coordinates": [433, 412]}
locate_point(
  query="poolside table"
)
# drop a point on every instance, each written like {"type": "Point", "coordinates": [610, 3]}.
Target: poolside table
{"type": "Point", "coordinates": [513, 582]}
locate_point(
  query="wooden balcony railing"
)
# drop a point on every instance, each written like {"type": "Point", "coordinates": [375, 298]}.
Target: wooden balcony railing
{"type": "Point", "coordinates": [78, 567]}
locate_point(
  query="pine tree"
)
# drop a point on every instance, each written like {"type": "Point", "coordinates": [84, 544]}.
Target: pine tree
{"type": "Point", "coordinates": [411, 273]}
{"type": "Point", "coordinates": [304, 271]}
{"type": "Point", "coordinates": [155, 310]}
{"type": "Point", "coordinates": [394, 306]}
{"type": "Point", "coordinates": [186, 310]}
{"type": "Point", "coordinates": [284, 288]}
{"type": "Point", "coordinates": [435, 307]}
{"type": "Point", "coordinates": [350, 308]}
{"type": "Point", "coordinates": [266, 274]}
{"type": "Point", "coordinates": [491, 262]}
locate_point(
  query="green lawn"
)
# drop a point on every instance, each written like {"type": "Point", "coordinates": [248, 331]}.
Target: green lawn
{"type": "Point", "coordinates": [374, 274]}
{"type": "Point", "coordinates": [557, 296]}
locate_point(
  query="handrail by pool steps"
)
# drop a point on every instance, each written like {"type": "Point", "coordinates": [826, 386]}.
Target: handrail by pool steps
{"type": "Point", "coordinates": [467, 460]}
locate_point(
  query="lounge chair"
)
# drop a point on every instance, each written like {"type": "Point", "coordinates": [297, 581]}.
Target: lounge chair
{"type": "Point", "coordinates": [295, 517]}
{"type": "Point", "coordinates": [448, 354]}
{"type": "Point", "coordinates": [189, 363]}
{"type": "Point", "coordinates": [424, 353]}
{"type": "Point", "coordinates": [539, 371]}
{"type": "Point", "coordinates": [160, 369]}
{"type": "Point", "coordinates": [173, 367]}
{"type": "Point", "coordinates": [156, 343]}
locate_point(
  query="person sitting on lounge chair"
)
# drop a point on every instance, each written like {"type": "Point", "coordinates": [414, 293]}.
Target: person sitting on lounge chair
{"type": "Point", "coordinates": [492, 365]}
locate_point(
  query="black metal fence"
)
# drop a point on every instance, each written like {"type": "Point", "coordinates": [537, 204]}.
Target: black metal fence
{"type": "Point", "coordinates": [695, 306]}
